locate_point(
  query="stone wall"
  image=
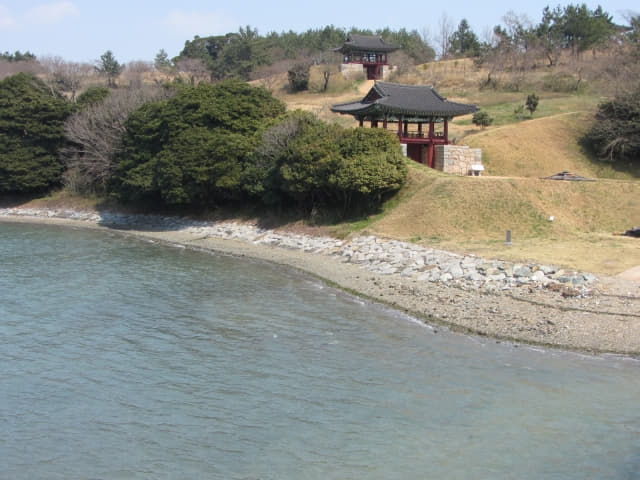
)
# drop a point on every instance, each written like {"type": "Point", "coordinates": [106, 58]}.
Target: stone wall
{"type": "Point", "coordinates": [350, 70]}
{"type": "Point", "coordinates": [457, 159]}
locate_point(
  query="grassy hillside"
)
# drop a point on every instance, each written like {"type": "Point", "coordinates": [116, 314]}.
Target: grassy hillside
{"type": "Point", "coordinates": [471, 214]}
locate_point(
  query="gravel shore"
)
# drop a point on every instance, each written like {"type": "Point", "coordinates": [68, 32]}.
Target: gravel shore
{"type": "Point", "coordinates": [529, 303]}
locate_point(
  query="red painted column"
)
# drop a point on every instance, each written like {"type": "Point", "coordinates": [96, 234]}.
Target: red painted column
{"type": "Point", "coordinates": [384, 123]}
{"type": "Point", "coordinates": [446, 131]}
{"type": "Point", "coordinates": [400, 127]}
{"type": "Point", "coordinates": [362, 122]}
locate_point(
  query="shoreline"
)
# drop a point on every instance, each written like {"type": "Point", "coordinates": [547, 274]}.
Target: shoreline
{"type": "Point", "coordinates": [508, 302]}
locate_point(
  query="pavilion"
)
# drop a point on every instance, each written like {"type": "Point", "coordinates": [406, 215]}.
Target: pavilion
{"type": "Point", "coordinates": [415, 109]}
{"type": "Point", "coordinates": [368, 53]}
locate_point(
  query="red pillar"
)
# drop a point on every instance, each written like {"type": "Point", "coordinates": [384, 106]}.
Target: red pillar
{"type": "Point", "coordinates": [446, 131]}
{"type": "Point", "coordinates": [431, 129]}
{"type": "Point", "coordinates": [431, 154]}
{"type": "Point", "coordinates": [361, 122]}
{"type": "Point", "coordinates": [400, 127]}
{"type": "Point", "coordinates": [419, 129]}
{"type": "Point", "coordinates": [384, 123]}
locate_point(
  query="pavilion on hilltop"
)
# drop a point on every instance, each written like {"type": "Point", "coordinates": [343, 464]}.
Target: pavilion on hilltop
{"type": "Point", "coordinates": [368, 53]}
{"type": "Point", "coordinates": [418, 114]}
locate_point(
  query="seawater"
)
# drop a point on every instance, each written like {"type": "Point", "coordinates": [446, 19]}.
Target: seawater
{"type": "Point", "coordinates": [124, 359]}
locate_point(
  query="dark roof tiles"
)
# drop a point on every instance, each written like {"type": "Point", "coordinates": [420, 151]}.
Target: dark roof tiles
{"type": "Point", "coordinates": [399, 99]}
{"type": "Point", "coordinates": [366, 42]}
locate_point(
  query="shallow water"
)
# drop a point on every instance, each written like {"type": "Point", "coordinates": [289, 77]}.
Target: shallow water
{"type": "Point", "coordinates": [123, 359]}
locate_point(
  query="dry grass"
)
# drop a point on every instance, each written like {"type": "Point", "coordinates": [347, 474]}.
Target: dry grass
{"type": "Point", "coordinates": [535, 148]}
{"type": "Point", "coordinates": [471, 214]}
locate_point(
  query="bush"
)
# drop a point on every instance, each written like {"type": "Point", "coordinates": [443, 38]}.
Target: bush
{"type": "Point", "coordinates": [481, 119]}
{"type": "Point", "coordinates": [299, 77]}
{"type": "Point", "coordinates": [532, 103]}
{"type": "Point", "coordinates": [615, 134]}
{"type": "Point", "coordinates": [560, 83]}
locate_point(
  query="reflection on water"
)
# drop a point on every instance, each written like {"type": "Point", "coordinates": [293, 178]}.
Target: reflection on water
{"type": "Point", "coordinates": [122, 359]}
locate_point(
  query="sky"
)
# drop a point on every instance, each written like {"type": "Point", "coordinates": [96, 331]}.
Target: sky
{"type": "Point", "coordinates": [82, 30]}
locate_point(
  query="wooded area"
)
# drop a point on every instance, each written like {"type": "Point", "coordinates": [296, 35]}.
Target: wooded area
{"type": "Point", "coordinates": [189, 132]}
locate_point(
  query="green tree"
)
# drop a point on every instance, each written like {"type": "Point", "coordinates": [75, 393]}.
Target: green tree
{"type": "Point", "coordinates": [550, 33]}
{"type": "Point", "coordinates": [31, 133]}
{"type": "Point", "coordinates": [190, 150]}
{"type": "Point", "coordinates": [313, 165]}
{"type": "Point", "coordinates": [585, 29]}
{"type": "Point", "coordinates": [372, 167]}
{"type": "Point", "coordinates": [162, 62]}
{"type": "Point", "coordinates": [615, 134]}
{"type": "Point", "coordinates": [532, 103]}
{"type": "Point", "coordinates": [482, 119]}
{"type": "Point", "coordinates": [92, 96]}
{"type": "Point", "coordinates": [18, 56]}
{"type": "Point", "coordinates": [109, 67]}
{"type": "Point", "coordinates": [464, 42]}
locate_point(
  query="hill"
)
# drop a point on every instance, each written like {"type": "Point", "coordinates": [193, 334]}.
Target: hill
{"type": "Point", "coordinates": [471, 214]}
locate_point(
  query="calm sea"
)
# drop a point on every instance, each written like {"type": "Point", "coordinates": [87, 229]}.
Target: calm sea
{"type": "Point", "coordinates": [124, 359]}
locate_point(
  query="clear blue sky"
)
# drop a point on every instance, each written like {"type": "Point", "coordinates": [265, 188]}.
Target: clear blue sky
{"type": "Point", "coordinates": [82, 30]}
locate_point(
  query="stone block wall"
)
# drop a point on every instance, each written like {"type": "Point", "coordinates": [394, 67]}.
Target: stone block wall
{"type": "Point", "coordinates": [456, 159]}
{"type": "Point", "coordinates": [350, 70]}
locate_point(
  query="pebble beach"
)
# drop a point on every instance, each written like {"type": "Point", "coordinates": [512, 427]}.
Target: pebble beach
{"type": "Point", "coordinates": [517, 302]}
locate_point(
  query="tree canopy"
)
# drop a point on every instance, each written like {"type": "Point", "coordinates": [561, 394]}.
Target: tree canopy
{"type": "Point", "coordinates": [31, 132]}
{"type": "Point", "coordinates": [305, 162]}
{"type": "Point", "coordinates": [189, 150]}
{"type": "Point", "coordinates": [109, 67]}
{"type": "Point", "coordinates": [615, 134]}
{"type": "Point", "coordinates": [464, 43]}
{"type": "Point", "coordinates": [238, 54]}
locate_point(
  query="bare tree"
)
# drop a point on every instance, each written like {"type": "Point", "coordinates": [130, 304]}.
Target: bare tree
{"type": "Point", "coordinates": [65, 76]}
{"type": "Point", "coordinates": [446, 27]}
{"type": "Point", "coordinates": [329, 63]}
{"type": "Point", "coordinates": [136, 71]}
{"type": "Point", "coordinates": [195, 69]}
{"type": "Point", "coordinates": [95, 134]}
{"type": "Point", "coordinates": [273, 75]}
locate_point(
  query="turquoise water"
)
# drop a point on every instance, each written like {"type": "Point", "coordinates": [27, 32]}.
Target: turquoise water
{"type": "Point", "coordinates": [122, 359]}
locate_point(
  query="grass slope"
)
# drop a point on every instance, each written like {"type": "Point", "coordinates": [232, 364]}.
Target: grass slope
{"type": "Point", "coordinates": [470, 214]}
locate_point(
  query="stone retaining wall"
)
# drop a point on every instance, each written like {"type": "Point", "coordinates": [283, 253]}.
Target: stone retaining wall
{"type": "Point", "coordinates": [350, 70]}
{"type": "Point", "coordinates": [456, 159]}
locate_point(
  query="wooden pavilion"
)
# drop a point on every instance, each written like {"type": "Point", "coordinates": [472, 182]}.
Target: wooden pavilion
{"type": "Point", "coordinates": [420, 114]}
{"type": "Point", "coordinates": [368, 52]}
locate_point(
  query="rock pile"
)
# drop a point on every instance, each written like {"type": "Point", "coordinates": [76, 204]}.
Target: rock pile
{"type": "Point", "coordinates": [376, 255]}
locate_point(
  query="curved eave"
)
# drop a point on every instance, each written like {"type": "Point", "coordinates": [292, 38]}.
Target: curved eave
{"type": "Point", "coordinates": [358, 48]}
{"type": "Point", "coordinates": [359, 109]}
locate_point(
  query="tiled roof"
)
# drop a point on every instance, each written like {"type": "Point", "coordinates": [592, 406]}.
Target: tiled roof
{"type": "Point", "coordinates": [408, 100]}
{"type": "Point", "coordinates": [370, 43]}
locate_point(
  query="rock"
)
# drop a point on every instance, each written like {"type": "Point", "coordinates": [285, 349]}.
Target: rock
{"type": "Point", "coordinates": [521, 271]}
